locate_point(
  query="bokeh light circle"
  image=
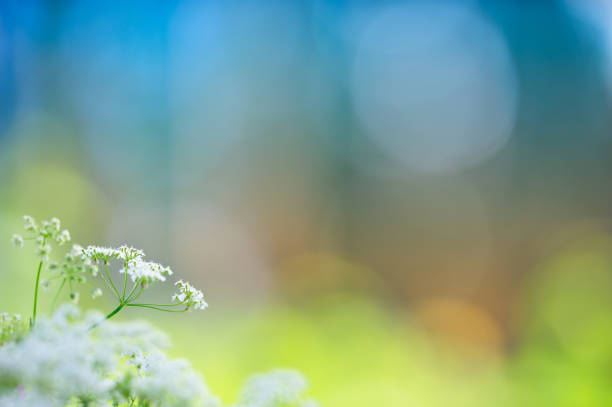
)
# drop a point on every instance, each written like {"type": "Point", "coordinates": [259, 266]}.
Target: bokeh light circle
{"type": "Point", "coordinates": [434, 86]}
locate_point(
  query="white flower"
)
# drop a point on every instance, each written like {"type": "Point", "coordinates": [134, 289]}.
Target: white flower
{"type": "Point", "coordinates": [63, 237]}
{"type": "Point", "coordinates": [129, 253]}
{"type": "Point", "coordinates": [146, 271]}
{"type": "Point", "coordinates": [60, 363]}
{"type": "Point", "coordinates": [54, 224]}
{"type": "Point", "coordinates": [17, 240]}
{"type": "Point", "coordinates": [169, 382]}
{"type": "Point", "coordinates": [43, 251]}
{"type": "Point", "coordinates": [124, 253]}
{"type": "Point", "coordinates": [190, 296]}
{"type": "Point", "coordinates": [57, 361]}
{"type": "Point", "coordinates": [277, 388]}
{"type": "Point", "coordinates": [50, 228]}
{"type": "Point", "coordinates": [29, 224]}
{"type": "Point", "coordinates": [96, 293]}
{"type": "Point", "coordinates": [101, 253]}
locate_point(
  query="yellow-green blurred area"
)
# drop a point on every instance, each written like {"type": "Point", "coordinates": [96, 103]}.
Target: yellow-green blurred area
{"type": "Point", "coordinates": [409, 201]}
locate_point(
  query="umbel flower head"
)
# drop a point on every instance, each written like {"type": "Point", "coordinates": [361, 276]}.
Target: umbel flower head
{"type": "Point", "coordinates": [50, 230]}
{"type": "Point", "coordinates": [146, 271]}
{"type": "Point", "coordinates": [142, 273]}
{"type": "Point", "coordinates": [17, 240]}
{"type": "Point", "coordinates": [79, 266]}
{"type": "Point", "coordinates": [188, 295]}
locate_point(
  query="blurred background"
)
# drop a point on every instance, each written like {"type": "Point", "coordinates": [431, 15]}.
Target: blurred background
{"type": "Point", "coordinates": [408, 201]}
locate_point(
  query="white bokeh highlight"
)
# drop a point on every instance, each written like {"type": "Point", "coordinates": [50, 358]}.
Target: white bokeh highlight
{"type": "Point", "coordinates": [433, 86]}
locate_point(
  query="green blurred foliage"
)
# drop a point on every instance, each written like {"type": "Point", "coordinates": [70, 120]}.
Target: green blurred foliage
{"type": "Point", "coordinates": [359, 353]}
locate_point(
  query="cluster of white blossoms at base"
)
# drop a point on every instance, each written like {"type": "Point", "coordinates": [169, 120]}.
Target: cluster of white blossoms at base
{"type": "Point", "coordinates": [11, 327]}
{"type": "Point", "coordinates": [62, 364]}
{"type": "Point", "coordinates": [278, 388]}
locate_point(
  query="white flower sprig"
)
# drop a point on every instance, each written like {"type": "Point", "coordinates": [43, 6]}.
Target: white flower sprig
{"type": "Point", "coordinates": [188, 295]}
{"type": "Point", "coordinates": [138, 275]}
{"type": "Point", "coordinates": [79, 264]}
{"type": "Point", "coordinates": [43, 235]}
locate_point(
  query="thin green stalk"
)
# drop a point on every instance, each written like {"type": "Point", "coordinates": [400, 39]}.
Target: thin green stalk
{"type": "Point", "coordinates": [33, 320]}
{"type": "Point", "coordinates": [159, 309]}
{"type": "Point", "coordinates": [109, 316]}
{"type": "Point", "coordinates": [111, 280]}
{"type": "Point", "coordinates": [138, 294]}
{"type": "Point", "coordinates": [124, 283]}
{"type": "Point", "coordinates": [109, 286]}
{"type": "Point", "coordinates": [59, 290]}
{"type": "Point", "coordinates": [136, 285]}
{"type": "Point", "coordinates": [164, 305]}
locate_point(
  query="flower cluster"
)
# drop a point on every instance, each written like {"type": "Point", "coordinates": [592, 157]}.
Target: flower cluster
{"type": "Point", "coordinates": [12, 327]}
{"type": "Point", "coordinates": [281, 387]}
{"type": "Point", "coordinates": [147, 271]}
{"type": "Point", "coordinates": [190, 296]}
{"type": "Point", "coordinates": [101, 253]}
{"type": "Point", "coordinates": [78, 264]}
{"type": "Point", "coordinates": [48, 230]}
{"type": "Point", "coordinates": [59, 363]}
{"type": "Point", "coordinates": [142, 273]}
{"type": "Point", "coordinates": [106, 254]}
{"type": "Point", "coordinates": [73, 269]}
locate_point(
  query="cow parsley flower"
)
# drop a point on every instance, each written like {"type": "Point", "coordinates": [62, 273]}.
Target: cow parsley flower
{"type": "Point", "coordinates": [17, 240]}
{"type": "Point", "coordinates": [42, 250]}
{"type": "Point", "coordinates": [146, 271]}
{"type": "Point", "coordinates": [129, 253]}
{"type": "Point", "coordinates": [29, 224]}
{"type": "Point", "coordinates": [11, 328]}
{"type": "Point", "coordinates": [190, 296]}
{"type": "Point", "coordinates": [54, 225]}
{"type": "Point", "coordinates": [59, 363]}
{"type": "Point", "coordinates": [101, 253]}
{"type": "Point", "coordinates": [281, 387]}
{"type": "Point", "coordinates": [63, 237]}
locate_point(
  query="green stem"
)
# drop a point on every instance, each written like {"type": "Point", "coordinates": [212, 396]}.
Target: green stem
{"type": "Point", "coordinates": [111, 280]}
{"type": "Point", "coordinates": [138, 294]}
{"type": "Point", "coordinates": [33, 321]}
{"type": "Point", "coordinates": [109, 316]}
{"type": "Point", "coordinates": [59, 290]}
{"type": "Point", "coordinates": [152, 307]}
{"type": "Point", "coordinates": [128, 298]}
{"type": "Point", "coordinates": [124, 282]}
{"type": "Point", "coordinates": [163, 305]}
{"type": "Point", "coordinates": [109, 286]}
